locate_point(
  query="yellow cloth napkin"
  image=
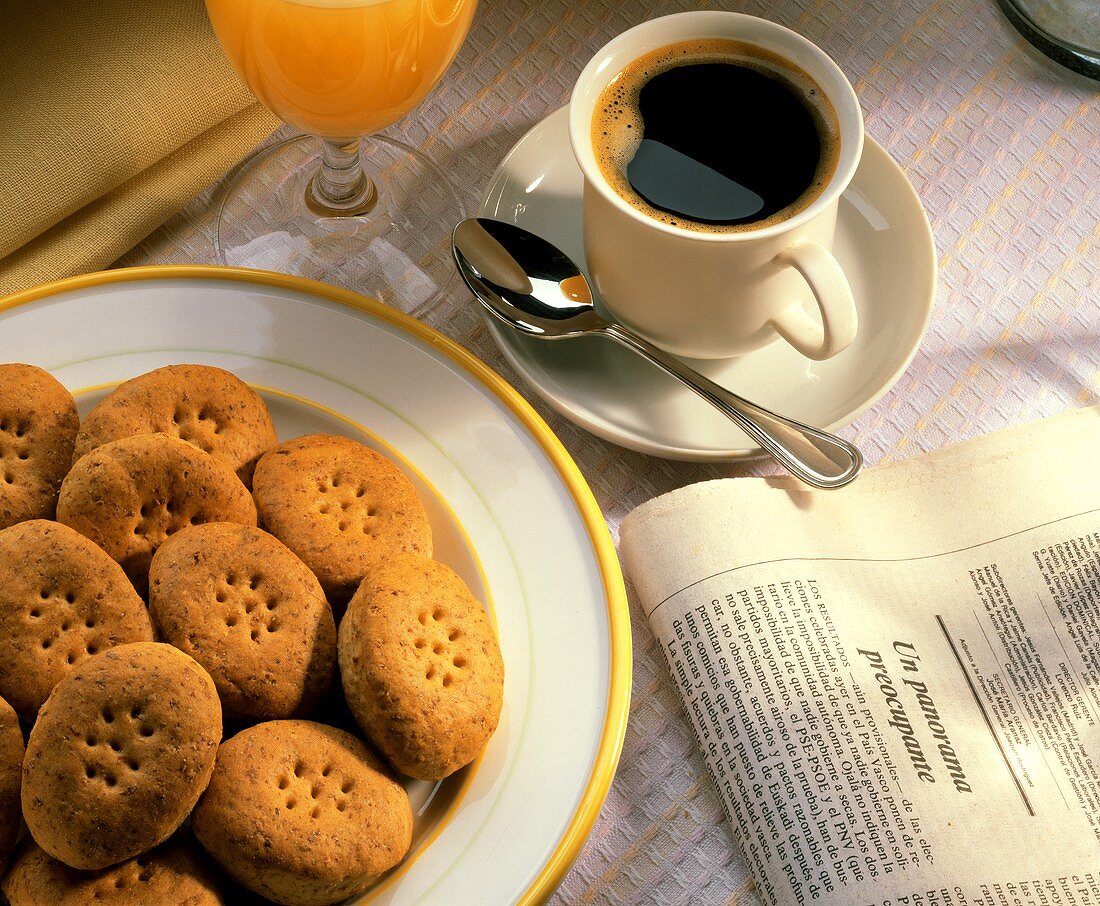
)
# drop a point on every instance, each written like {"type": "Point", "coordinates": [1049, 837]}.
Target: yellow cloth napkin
{"type": "Point", "coordinates": [113, 115]}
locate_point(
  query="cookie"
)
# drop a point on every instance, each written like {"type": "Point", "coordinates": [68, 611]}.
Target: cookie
{"type": "Point", "coordinates": [177, 873]}
{"type": "Point", "coordinates": [62, 599]}
{"type": "Point", "coordinates": [11, 772]}
{"type": "Point", "coordinates": [38, 425]}
{"type": "Point", "coordinates": [250, 612]}
{"type": "Point", "coordinates": [206, 406]}
{"type": "Point", "coordinates": [340, 506]}
{"type": "Point", "coordinates": [120, 753]}
{"type": "Point", "coordinates": [129, 495]}
{"type": "Point", "coordinates": [421, 667]}
{"type": "Point", "coordinates": [302, 813]}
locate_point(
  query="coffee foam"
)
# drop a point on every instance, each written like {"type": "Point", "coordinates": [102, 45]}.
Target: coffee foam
{"type": "Point", "coordinates": [618, 129]}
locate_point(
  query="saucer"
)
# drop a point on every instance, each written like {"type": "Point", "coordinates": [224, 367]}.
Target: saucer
{"type": "Point", "coordinates": [883, 243]}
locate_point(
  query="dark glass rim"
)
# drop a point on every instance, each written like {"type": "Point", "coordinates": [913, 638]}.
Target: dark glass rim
{"type": "Point", "coordinates": [1080, 59]}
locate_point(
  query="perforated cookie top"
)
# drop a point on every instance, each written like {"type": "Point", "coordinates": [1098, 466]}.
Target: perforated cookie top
{"type": "Point", "coordinates": [176, 872]}
{"type": "Point", "coordinates": [129, 495]}
{"type": "Point", "coordinates": [421, 667]}
{"type": "Point", "coordinates": [38, 426]}
{"type": "Point", "coordinates": [340, 506]}
{"type": "Point", "coordinates": [330, 817]}
{"type": "Point", "coordinates": [239, 602]}
{"type": "Point", "coordinates": [205, 406]}
{"type": "Point", "coordinates": [62, 600]}
{"type": "Point", "coordinates": [119, 754]}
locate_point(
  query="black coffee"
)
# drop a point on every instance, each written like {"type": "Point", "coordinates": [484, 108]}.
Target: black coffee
{"type": "Point", "coordinates": [715, 135]}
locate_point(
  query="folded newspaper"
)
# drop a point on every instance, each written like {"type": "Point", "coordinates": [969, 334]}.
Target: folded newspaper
{"type": "Point", "coordinates": [896, 686]}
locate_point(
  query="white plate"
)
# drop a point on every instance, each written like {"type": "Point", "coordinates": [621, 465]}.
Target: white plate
{"type": "Point", "coordinates": [509, 510]}
{"type": "Point", "coordinates": [883, 242]}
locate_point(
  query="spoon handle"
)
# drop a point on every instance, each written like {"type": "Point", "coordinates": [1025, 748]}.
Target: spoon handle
{"type": "Point", "coordinates": [817, 457]}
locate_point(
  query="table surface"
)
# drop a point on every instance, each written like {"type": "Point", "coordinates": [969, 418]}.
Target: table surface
{"type": "Point", "coordinates": [1003, 147]}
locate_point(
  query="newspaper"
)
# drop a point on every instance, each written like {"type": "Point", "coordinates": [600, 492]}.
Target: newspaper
{"type": "Point", "coordinates": [896, 686]}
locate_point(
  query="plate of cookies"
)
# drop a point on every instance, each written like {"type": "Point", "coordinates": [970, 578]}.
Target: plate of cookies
{"type": "Point", "coordinates": [299, 603]}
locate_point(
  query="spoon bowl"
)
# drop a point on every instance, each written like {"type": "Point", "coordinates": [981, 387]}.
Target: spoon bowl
{"type": "Point", "coordinates": [532, 286]}
{"type": "Point", "coordinates": [525, 281]}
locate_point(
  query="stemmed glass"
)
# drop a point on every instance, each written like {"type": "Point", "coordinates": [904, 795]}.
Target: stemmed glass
{"type": "Point", "coordinates": [373, 213]}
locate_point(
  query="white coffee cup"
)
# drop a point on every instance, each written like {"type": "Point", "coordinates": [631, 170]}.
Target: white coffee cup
{"type": "Point", "coordinates": [719, 294]}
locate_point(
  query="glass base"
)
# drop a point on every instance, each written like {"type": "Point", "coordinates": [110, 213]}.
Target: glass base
{"type": "Point", "coordinates": [399, 251]}
{"type": "Point", "coordinates": [1067, 31]}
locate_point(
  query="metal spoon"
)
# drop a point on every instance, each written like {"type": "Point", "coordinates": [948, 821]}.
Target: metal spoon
{"type": "Point", "coordinates": [532, 286]}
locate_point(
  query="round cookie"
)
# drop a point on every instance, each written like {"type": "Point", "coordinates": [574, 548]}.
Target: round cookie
{"type": "Point", "coordinates": [421, 667]}
{"type": "Point", "coordinates": [340, 506]}
{"type": "Point", "coordinates": [250, 612]}
{"type": "Point", "coordinates": [11, 774]}
{"type": "Point", "coordinates": [176, 873]}
{"type": "Point", "coordinates": [38, 425]}
{"type": "Point", "coordinates": [206, 406]}
{"type": "Point", "coordinates": [129, 495]}
{"type": "Point", "coordinates": [302, 813]}
{"type": "Point", "coordinates": [120, 753]}
{"type": "Point", "coordinates": [62, 599]}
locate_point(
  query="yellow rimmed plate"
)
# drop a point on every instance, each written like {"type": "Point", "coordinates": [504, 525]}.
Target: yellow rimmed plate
{"type": "Point", "coordinates": [510, 511]}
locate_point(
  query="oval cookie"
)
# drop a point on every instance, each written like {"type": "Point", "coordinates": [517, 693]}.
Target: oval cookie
{"type": "Point", "coordinates": [120, 753]}
{"type": "Point", "coordinates": [177, 873]}
{"type": "Point", "coordinates": [62, 600]}
{"type": "Point", "coordinates": [242, 605]}
{"type": "Point", "coordinates": [421, 667]}
{"type": "Point", "coordinates": [302, 813]}
{"type": "Point", "coordinates": [129, 495]}
{"type": "Point", "coordinates": [206, 406]}
{"type": "Point", "coordinates": [38, 425]}
{"type": "Point", "coordinates": [11, 772]}
{"type": "Point", "coordinates": [340, 506]}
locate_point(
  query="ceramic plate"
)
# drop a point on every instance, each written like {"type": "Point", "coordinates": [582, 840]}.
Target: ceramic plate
{"type": "Point", "coordinates": [883, 242]}
{"type": "Point", "coordinates": [509, 511]}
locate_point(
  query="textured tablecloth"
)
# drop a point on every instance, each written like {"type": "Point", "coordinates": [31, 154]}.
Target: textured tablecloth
{"type": "Point", "coordinates": [1003, 147]}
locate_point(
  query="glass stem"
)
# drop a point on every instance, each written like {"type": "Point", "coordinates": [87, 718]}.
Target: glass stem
{"type": "Point", "coordinates": [340, 188]}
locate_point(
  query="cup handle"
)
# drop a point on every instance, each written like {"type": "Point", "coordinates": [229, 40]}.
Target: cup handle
{"type": "Point", "coordinates": [834, 299]}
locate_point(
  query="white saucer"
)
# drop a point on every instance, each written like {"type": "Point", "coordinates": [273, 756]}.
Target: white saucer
{"type": "Point", "coordinates": [883, 242]}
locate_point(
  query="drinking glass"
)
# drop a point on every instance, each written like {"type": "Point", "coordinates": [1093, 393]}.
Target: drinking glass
{"type": "Point", "coordinates": [373, 213]}
{"type": "Point", "coordinates": [1067, 31]}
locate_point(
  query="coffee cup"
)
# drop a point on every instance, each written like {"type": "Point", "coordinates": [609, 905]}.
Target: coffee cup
{"type": "Point", "coordinates": [698, 286]}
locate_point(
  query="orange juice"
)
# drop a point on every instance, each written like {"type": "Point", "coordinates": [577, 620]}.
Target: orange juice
{"type": "Point", "coordinates": [341, 68]}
